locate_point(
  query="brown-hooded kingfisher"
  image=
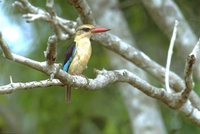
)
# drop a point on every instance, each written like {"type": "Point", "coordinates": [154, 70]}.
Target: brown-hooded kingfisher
{"type": "Point", "coordinates": [78, 54]}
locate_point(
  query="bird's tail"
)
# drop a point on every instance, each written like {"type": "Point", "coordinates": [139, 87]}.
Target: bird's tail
{"type": "Point", "coordinates": [68, 93]}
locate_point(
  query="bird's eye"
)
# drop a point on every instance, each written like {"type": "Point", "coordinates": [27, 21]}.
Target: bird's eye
{"type": "Point", "coordinates": [85, 29]}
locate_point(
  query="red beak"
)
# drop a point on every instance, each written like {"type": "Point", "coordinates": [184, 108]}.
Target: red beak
{"type": "Point", "coordinates": [99, 30]}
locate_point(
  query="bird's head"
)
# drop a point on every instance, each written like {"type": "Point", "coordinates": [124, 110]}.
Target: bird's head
{"type": "Point", "coordinates": [87, 30]}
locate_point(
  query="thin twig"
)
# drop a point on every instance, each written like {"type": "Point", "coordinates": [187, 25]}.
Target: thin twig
{"type": "Point", "coordinates": [11, 80]}
{"type": "Point", "coordinates": [7, 89]}
{"type": "Point", "coordinates": [62, 27]}
{"type": "Point", "coordinates": [169, 57]}
{"type": "Point", "coordinates": [51, 51]}
{"type": "Point", "coordinates": [182, 96]}
{"type": "Point", "coordinates": [189, 70]}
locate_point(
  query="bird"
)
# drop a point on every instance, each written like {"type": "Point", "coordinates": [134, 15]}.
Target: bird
{"type": "Point", "coordinates": [79, 53]}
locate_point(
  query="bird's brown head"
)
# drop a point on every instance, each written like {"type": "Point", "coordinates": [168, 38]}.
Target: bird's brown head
{"type": "Point", "coordinates": [87, 30]}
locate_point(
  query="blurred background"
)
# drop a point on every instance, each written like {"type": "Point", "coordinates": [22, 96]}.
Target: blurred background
{"type": "Point", "coordinates": [91, 112]}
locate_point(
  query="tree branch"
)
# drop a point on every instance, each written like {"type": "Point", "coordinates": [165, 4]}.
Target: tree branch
{"type": "Point", "coordinates": [84, 11]}
{"type": "Point", "coordinates": [35, 13]}
{"type": "Point", "coordinates": [9, 88]}
{"type": "Point", "coordinates": [189, 70]}
{"type": "Point", "coordinates": [51, 51]}
{"type": "Point", "coordinates": [5, 48]}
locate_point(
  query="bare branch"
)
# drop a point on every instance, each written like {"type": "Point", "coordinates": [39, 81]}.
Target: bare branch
{"type": "Point", "coordinates": [7, 89]}
{"type": "Point", "coordinates": [169, 57]}
{"type": "Point", "coordinates": [51, 51]}
{"type": "Point", "coordinates": [5, 48]}
{"type": "Point", "coordinates": [58, 31]}
{"type": "Point", "coordinates": [184, 94]}
{"type": "Point", "coordinates": [189, 69]}
{"type": "Point", "coordinates": [35, 13]}
{"type": "Point", "coordinates": [84, 11]}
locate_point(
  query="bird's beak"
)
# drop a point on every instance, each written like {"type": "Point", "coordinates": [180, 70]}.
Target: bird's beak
{"type": "Point", "coordinates": [99, 30]}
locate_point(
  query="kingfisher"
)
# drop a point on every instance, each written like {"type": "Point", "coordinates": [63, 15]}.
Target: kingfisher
{"type": "Point", "coordinates": [78, 54]}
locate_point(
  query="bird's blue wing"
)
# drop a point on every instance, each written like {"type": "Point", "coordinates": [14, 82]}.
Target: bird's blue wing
{"type": "Point", "coordinates": [69, 56]}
